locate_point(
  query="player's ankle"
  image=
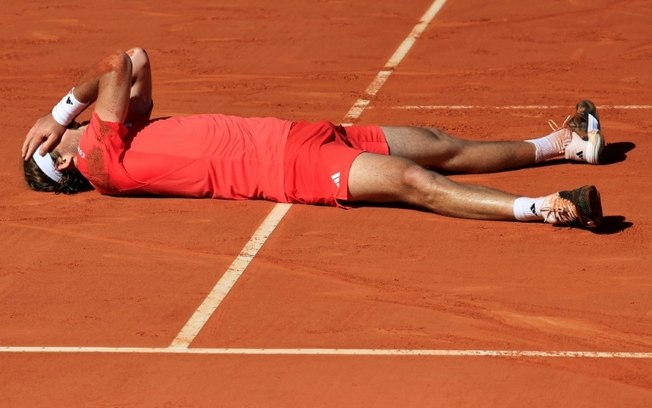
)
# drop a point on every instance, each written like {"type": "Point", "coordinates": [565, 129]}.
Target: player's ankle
{"type": "Point", "coordinates": [528, 209]}
{"type": "Point", "coordinates": [551, 146]}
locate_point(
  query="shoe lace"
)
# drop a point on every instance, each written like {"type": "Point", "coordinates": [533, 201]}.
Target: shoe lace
{"type": "Point", "coordinates": [552, 215]}
{"type": "Point", "coordinates": [553, 125]}
{"type": "Point", "coordinates": [558, 212]}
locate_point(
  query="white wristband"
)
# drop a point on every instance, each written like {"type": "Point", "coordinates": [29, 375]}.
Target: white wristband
{"type": "Point", "coordinates": [67, 109]}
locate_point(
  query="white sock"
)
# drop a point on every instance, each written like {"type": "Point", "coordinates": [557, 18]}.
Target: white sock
{"type": "Point", "coordinates": [528, 209]}
{"type": "Point", "coordinates": [551, 146]}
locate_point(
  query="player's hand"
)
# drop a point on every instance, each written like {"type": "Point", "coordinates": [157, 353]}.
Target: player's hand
{"type": "Point", "coordinates": [47, 131]}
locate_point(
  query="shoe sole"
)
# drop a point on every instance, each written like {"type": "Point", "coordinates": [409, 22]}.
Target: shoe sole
{"type": "Point", "coordinates": [596, 144]}
{"type": "Point", "coordinates": [588, 205]}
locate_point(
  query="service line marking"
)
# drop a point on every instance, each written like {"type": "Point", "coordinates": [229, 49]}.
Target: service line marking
{"type": "Point", "coordinates": [237, 268]}
{"type": "Point", "coordinates": [333, 352]}
{"type": "Point", "coordinates": [507, 107]}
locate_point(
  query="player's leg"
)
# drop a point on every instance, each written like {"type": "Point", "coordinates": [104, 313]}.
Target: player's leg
{"type": "Point", "coordinates": [378, 178]}
{"type": "Point", "coordinates": [436, 149]}
{"type": "Point", "coordinates": [579, 139]}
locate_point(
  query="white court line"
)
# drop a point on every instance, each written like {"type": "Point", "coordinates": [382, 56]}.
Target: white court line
{"type": "Point", "coordinates": [507, 107]}
{"type": "Point", "coordinates": [332, 352]}
{"type": "Point", "coordinates": [226, 282]}
{"type": "Point", "coordinates": [361, 104]}
{"type": "Point", "coordinates": [237, 268]}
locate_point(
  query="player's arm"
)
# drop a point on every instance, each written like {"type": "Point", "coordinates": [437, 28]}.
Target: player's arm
{"type": "Point", "coordinates": [109, 86]}
{"type": "Point", "coordinates": [123, 87]}
{"type": "Point", "coordinates": [113, 82]}
{"type": "Point", "coordinates": [140, 96]}
{"type": "Point", "coordinates": [124, 90]}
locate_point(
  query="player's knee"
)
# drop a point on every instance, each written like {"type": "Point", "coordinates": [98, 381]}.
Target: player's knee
{"type": "Point", "coordinates": [449, 145]}
{"type": "Point", "coordinates": [421, 184]}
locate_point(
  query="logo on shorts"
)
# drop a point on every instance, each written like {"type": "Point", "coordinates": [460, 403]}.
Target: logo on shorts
{"type": "Point", "coordinates": [336, 178]}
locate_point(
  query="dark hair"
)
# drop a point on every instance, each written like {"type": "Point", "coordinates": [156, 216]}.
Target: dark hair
{"type": "Point", "coordinates": [71, 181]}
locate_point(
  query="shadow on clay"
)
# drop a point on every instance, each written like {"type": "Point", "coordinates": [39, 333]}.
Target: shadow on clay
{"type": "Point", "coordinates": [616, 152]}
{"type": "Point", "coordinates": [612, 224]}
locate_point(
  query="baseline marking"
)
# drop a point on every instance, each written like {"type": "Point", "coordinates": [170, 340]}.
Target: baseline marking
{"type": "Point", "coordinates": [333, 352]}
{"type": "Point", "coordinates": [508, 107]}
{"type": "Point", "coordinates": [237, 268]}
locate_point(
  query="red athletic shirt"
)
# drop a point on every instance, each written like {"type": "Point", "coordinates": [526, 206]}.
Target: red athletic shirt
{"type": "Point", "coordinates": [216, 156]}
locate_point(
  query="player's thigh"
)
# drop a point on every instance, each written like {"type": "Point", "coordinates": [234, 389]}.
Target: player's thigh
{"type": "Point", "coordinates": [425, 146]}
{"type": "Point", "coordinates": [375, 177]}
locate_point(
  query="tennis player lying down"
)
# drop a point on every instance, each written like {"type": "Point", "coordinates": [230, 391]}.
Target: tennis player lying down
{"type": "Point", "coordinates": [122, 152]}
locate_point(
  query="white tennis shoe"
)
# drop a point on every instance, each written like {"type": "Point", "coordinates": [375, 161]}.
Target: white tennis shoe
{"type": "Point", "coordinates": [582, 130]}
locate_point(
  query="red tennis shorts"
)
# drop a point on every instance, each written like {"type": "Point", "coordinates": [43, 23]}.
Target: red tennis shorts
{"type": "Point", "coordinates": [318, 157]}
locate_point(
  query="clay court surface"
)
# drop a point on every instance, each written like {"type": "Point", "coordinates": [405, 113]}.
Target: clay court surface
{"type": "Point", "coordinates": [368, 307]}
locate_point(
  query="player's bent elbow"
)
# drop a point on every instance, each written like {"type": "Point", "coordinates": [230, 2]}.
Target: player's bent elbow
{"type": "Point", "coordinates": [138, 56]}
{"type": "Point", "coordinates": [119, 61]}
